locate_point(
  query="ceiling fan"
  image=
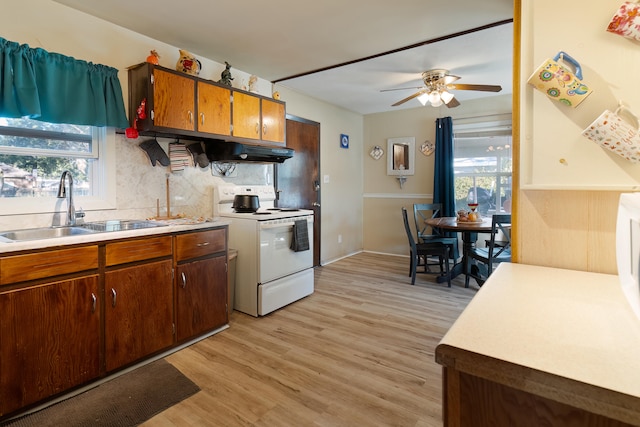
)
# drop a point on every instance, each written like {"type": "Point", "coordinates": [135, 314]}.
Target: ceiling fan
{"type": "Point", "coordinates": [437, 84]}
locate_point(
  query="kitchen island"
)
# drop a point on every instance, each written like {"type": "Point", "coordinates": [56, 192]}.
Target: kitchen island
{"type": "Point", "coordinates": [543, 346]}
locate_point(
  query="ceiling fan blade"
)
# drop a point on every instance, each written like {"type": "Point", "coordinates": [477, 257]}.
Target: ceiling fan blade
{"type": "Point", "coordinates": [484, 88]}
{"type": "Point", "coordinates": [408, 98]}
{"type": "Point", "coordinates": [453, 103]}
{"type": "Point", "coordinates": [448, 79]}
{"type": "Point", "coordinates": [401, 88]}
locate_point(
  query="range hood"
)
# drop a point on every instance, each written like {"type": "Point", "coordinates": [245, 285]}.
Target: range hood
{"type": "Point", "coordinates": [223, 151]}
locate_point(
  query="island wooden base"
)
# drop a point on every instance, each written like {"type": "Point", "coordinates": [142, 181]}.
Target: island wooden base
{"type": "Point", "coordinates": [473, 401]}
{"type": "Point", "coordinates": [541, 346]}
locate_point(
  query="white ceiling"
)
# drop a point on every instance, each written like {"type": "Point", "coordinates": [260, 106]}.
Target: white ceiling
{"type": "Point", "coordinates": [279, 39]}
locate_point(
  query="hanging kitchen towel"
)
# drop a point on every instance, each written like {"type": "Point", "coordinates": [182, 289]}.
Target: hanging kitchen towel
{"type": "Point", "coordinates": [178, 156]}
{"type": "Point", "coordinates": [300, 236]}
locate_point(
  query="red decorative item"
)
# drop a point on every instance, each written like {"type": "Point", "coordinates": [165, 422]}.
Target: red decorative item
{"type": "Point", "coordinates": [141, 111]}
{"type": "Point", "coordinates": [141, 114]}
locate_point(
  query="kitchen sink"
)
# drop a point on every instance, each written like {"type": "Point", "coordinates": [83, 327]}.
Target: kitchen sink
{"type": "Point", "coordinates": [76, 230]}
{"type": "Point", "coordinates": [120, 225]}
{"type": "Point", "coordinates": [43, 233]}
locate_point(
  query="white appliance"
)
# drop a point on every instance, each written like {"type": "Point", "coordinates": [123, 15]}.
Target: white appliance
{"type": "Point", "coordinates": [269, 274]}
{"type": "Point", "coordinates": [628, 248]}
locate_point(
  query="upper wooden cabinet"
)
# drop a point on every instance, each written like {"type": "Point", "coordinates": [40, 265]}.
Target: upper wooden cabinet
{"type": "Point", "coordinates": [214, 109]}
{"type": "Point", "coordinates": [173, 102]}
{"type": "Point", "coordinates": [273, 121]}
{"type": "Point", "coordinates": [178, 104]}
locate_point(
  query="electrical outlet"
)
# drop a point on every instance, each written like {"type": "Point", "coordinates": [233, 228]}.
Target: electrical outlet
{"type": "Point", "coordinates": [339, 238]}
{"type": "Point", "coordinates": [326, 179]}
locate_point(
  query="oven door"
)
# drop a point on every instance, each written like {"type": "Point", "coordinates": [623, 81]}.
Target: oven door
{"type": "Point", "coordinates": [276, 258]}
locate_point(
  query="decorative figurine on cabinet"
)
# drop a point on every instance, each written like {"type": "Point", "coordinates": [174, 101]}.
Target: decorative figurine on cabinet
{"type": "Point", "coordinates": [226, 75]}
{"type": "Point", "coordinates": [153, 58]}
{"type": "Point", "coordinates": [253, 80]}
{"type": "Point", "coordinates": [188, 63]}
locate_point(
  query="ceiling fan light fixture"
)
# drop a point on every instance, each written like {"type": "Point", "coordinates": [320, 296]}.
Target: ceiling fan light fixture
{"type": "Point", "coordinates": [424, 98]}
{"type": "Point", "coordinates": [434, 98]}
{"type": "Point", "coordinates": [446, 96]}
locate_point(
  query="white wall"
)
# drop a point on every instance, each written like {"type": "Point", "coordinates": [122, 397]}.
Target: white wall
{"type": "Point", "coordinates": [57, 28]}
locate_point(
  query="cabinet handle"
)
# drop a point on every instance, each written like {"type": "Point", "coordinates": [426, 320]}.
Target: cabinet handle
{"type": "Point", "coordinates": [257, 128]}
{"type": "Point", "coordinates": [94, 300]}
{"type": "Point", "coordinates": [113, 297]}
{"type": "Point", "coordinates": [202, 119]}
{"type": "Point", "coordinates": [190, 115]}
{"type": "Point", "coordinates": [264, 129]}
{"type": "Point", "coordinates": [184, 280]}
{"type": "Point", "coordinates": [202, 244]}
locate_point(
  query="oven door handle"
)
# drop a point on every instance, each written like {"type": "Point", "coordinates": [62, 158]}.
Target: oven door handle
{"type": "Point", "coordinates": [277, 225]}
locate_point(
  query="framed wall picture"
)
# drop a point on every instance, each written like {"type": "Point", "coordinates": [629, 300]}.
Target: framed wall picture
{"type": "Point", "coordinates": [344, 141]}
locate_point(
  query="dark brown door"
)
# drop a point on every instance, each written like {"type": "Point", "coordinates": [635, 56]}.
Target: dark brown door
{"type": "Point", "coordinates": [298, 179]}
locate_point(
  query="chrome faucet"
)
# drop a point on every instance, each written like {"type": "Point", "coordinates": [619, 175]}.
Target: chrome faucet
{"type": "Point", "coordinates": [62, 193]}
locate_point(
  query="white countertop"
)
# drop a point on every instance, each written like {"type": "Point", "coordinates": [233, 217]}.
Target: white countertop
{"type": "Point", "coordinates": [542, 329]}
{"type": "Point", "coordinates": [173, 226]}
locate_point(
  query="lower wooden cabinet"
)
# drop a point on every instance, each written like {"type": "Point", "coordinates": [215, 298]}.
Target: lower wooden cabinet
{"type": "Point", "coordinates": [72, 315]}
{"type": "Point", "coordinates": [201, 297]}
{"type": "Point", "coordinates": [138, 312]}
{"type": "Point", "coordinates": [49, 340]}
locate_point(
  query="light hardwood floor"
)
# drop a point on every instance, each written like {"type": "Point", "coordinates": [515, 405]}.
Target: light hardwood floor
{"type": "Point", "coordinates": [358, 352]}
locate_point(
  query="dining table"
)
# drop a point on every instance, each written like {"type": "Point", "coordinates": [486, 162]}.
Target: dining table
{"type": "Point", "coordinates": [469, 231]}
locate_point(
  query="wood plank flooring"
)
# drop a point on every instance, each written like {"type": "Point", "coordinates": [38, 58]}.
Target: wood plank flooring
{"type": "Point", "coordinates": [358, 352]}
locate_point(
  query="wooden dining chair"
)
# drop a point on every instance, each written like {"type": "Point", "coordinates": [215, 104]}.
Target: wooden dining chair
{"type": "Point", "coordinates": [426, 234]}
{"type": "Point", "coordinates": [498, 250]}
{"type": "Point", "coordinates": [421, 253]}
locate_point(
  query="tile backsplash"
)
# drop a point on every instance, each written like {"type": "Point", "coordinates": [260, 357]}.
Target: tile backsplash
{"type": "Point", "coordinates": [141, 188]}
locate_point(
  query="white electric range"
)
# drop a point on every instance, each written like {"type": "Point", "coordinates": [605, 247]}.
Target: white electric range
{"type": "Point", "coordinates": [269, 273]}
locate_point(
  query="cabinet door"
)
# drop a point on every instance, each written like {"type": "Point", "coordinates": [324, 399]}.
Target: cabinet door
{"type": "Point", "coordinates": [273, 121]}
{"type": "Point", "coordinates": [49, 340]}
{"type": "Point", "coordinates": [246, 115]}
{"type": "Point", "coordinates": [201, 297]}
{"type": "Point", "coordinates": [173, 100]}
{"type": "Point", "coordinates": [138, 312]}
{"type": "Point", "coordinates": [214, 109]}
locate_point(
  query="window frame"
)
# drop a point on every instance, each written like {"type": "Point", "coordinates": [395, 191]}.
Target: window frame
{"type": "Point", "coordinates": [484, 129]}
{"type": "Point", "coordinates": [104, 189]}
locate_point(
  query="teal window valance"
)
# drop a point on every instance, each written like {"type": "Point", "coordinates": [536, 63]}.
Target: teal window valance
{"type": "Point", "coordinates": [55, 88]}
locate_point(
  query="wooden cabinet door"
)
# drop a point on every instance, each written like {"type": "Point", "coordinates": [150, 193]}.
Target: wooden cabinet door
{"type": "Point", "coordinates": [214, 109]}
{"type": "Point", "coordinates": [173, 100]}
{"type": "Point", "coordinates": [201, 288]}
{"type": "Point", "coordinates": [273, 121]}
{"type": "Point", "coordinates": [246, 115]}
{"type": "Point", "coordinates": [49, 340]}
{"type": "Point", "coordinates": [138, 312]}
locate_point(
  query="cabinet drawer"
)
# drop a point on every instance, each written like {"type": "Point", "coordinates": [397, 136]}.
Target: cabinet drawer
{"type": "Point", "coordinates": [201, 243]}
{"type": "Point", "coordinates": [137, 250]}
{"type": "Point", "coordinates": [21, 268]}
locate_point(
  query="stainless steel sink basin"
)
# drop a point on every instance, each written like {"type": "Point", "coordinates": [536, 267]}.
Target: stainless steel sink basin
{"type": "Point", "coordinates": [66, 231]}
{"type": "Point", "coordinates": [42, 233]}
{"type": "Point", "coordinates": [120, 225]}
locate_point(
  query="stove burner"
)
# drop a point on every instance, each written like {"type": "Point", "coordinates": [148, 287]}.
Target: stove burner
{"type": "Point", "coordinates": [289, 210]}
{"type": "Point", "coordinates": [262, 213]}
